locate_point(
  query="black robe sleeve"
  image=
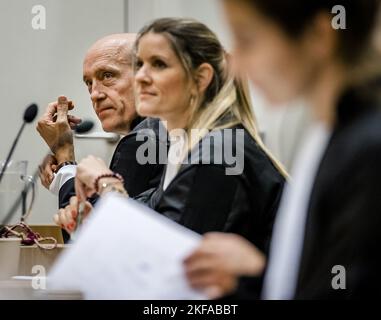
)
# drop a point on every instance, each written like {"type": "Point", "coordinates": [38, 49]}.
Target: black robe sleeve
{"type": "Point", "coordinates": [203, 198]}
{"type": "Point", "coordinates": [137, 177]}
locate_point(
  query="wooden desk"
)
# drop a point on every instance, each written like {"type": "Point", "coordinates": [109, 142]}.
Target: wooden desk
{"type": "Point", "coordinates": [32, 255]}
{"type": "Point", "coordinates": [23, 290]}
{"type": "Point", "coordinates": [48, 231]}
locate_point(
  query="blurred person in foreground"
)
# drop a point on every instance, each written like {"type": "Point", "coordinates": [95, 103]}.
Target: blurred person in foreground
{"type": "Point", "coordinates": [325, 243]}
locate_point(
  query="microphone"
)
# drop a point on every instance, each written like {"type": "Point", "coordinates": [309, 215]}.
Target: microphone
{"type": "Point", "coordinates": [29, 115]}
{"type": "Point", "coordinates": [84, 127]}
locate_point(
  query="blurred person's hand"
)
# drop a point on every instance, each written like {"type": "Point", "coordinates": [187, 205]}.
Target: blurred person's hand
{"type": "Point", "coordinates": [46, 170]}
{"type": "Point", "coordinates": [55, 127]}
{"type": "Point", "coordinates": [214, 267]}
{"type": "Point", "coordinates": [67, 218]}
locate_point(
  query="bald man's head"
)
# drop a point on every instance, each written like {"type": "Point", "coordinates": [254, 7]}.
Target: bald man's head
{"type": "Point", "coordinates": [108, 74]}
{"type": "Point", "coordinates": [119, 45]}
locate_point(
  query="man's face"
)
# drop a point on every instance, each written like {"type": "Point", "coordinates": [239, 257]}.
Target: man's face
{"type": "Point", "coordinates": [108, 74]}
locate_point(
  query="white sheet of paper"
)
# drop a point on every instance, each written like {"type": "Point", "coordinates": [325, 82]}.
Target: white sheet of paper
{"type": "Point", "coordinates": [126, 251]}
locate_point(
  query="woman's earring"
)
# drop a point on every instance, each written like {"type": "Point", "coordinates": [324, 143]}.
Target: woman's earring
{"type": "Point", "coordinates": [192, 100]}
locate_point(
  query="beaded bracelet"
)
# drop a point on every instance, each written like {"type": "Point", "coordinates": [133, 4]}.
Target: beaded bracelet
{"type": "Point", "coordinates": [107, 175]}
{"type": "Point", "coordinates": [65, 163]}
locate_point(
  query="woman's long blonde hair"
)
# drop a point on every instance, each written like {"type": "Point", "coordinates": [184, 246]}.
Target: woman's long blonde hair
{"type": "Point", "coordinates": [226, 101]}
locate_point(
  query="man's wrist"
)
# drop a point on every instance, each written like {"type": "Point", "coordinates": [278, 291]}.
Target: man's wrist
{"type": "Point", "coordinates": [63, 164]}
{"type": "Point", "coordinates": [64, 155]}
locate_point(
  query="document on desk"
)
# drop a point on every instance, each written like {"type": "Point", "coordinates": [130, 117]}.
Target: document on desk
{"type": "Point", "coordinates": [126, 251]}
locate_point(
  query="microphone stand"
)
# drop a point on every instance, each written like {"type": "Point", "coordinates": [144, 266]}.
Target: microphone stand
{"type": "Point", "coordinates": [29, 115]}
{"type": "Point", "coordinates": [5, 165]}
{"type": "Point", "coordinates": [23, 203]}
{"type": "Point", "coordinates": [17, 202]}
{"type": "Point", "coordinates": [85, 127]}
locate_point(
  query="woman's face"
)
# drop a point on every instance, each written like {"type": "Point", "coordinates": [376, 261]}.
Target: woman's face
{"type": "Point", "coordinates": [161, 83]}
{"type": "Point", "coordinates": [279, 67]}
